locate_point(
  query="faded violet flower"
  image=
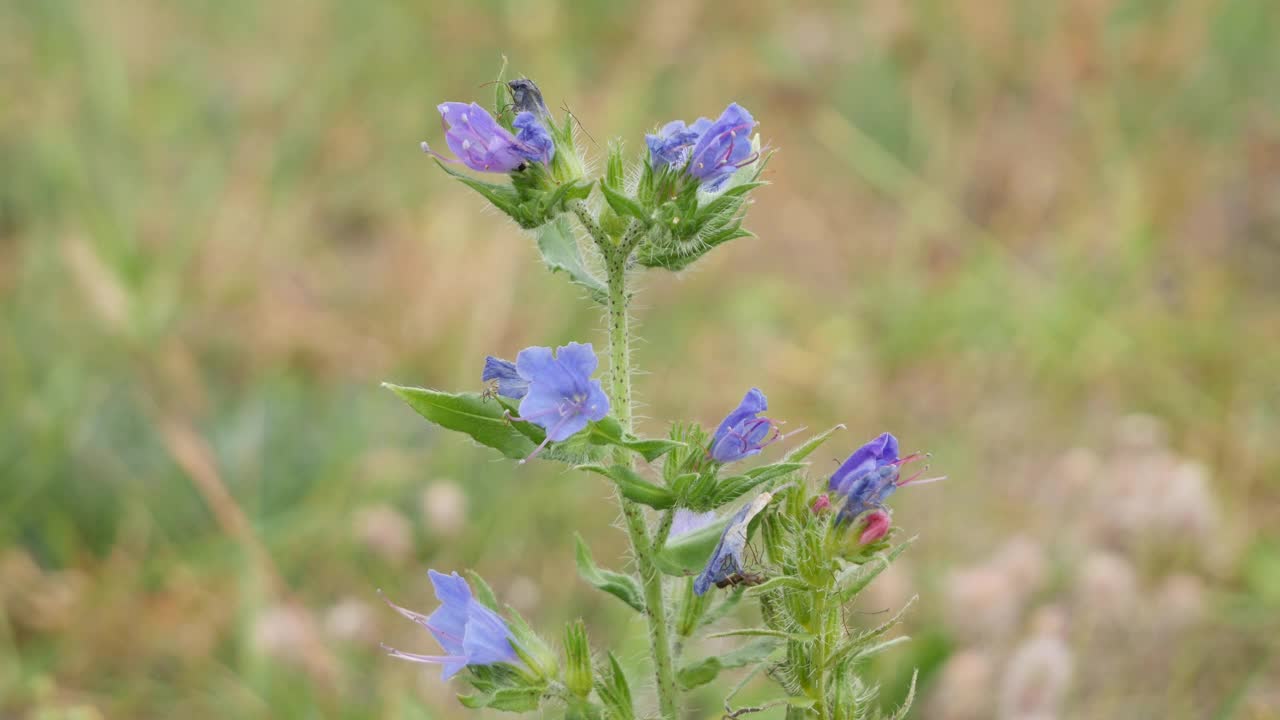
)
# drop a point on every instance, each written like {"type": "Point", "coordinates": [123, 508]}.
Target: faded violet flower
{"type": "Point", "coordinates": [469, 632]}
{"type": "Point", "coordinates": [710, 151]}
{"type": "Point", "coordinates": [562, 397]}
{"type": "Point", "coordinates": [726, 559]}
{"type": "Point", "coordinates": [505, 375]}
{"type": "Point", "coordinates": [870, 476]}
{"type": "Point", "coordinates": [687, 521]}
{"type": "Point", "coordinates": [485, 146]}
{"type": "Point", "coordinates": [742, 433]}
{"type": "Point", "coordinates": [723, 148]}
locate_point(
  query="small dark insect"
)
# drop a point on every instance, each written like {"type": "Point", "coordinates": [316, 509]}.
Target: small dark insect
{"type": "Point", "coordinates": [741, 578]}
{"type": "Point", "coordinates": [526, 97]}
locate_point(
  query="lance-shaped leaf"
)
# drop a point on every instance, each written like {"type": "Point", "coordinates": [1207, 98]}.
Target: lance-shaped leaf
{"type": "Point", "coordinates": [468, 413]}
{"type": "Point", "coordinates": [609, 432]}
{"type": "Point", "coordinates": [868, 639]}
{"type": "Point", "coordinates": [509, 699]}
{"type": "Point", "coordinates": [623, 587]}
{"type": "Point", "coordinates": [704, 671]}
{"type": "Point", "coordinates": [732, 488]}
{"type": "Point", "coordinates": [805, 449]}
{"type": "Point", "coordinates": [624, 205]}
{"type": "Point", "coordinates": [560, 252]}
{"type": "Point", "coordinates": [615, 693]}
{"type": "Point", "coordinates": [633, 487]}
{"type": "Point", "coordinates": [851, 580]}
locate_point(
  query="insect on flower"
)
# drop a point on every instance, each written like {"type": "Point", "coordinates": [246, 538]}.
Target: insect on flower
{"type": "Point", "coordinates": [724, 569]}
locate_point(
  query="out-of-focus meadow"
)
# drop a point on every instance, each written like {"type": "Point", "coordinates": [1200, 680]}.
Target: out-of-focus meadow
{"type": "Point", "coordinates": [1039, 239]}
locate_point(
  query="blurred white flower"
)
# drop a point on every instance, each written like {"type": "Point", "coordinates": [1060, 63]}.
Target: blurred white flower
{"type": "Point", "coordinates": [982, 603]}
{"type": "Point", "coordinates": [382, 529]}
{"type": "Point", "coordinates": [444, 506]}
{"type": "Point", "coordinates": [351, 620]}
{"type": "Point", "coordinates": [1038, 672]}
{"type": "Point", "coordinates": [964, 687]}
{"type": "Point", "coordinates": [522, 593]}
{"type": "Point", "coordinates": [1179, 602]}
{"type": "Point", "coordinates": [280, 632]}
{"type": "Point", "coordinates": [1106, 589]}
{"type": "Point", "coordinates": [1024, 560]}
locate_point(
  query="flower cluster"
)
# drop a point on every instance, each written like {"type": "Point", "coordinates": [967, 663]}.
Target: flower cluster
{"type": "Point", "coordinates": [690, 508]}
{"type": "Point", "coordinates": [709, 151]}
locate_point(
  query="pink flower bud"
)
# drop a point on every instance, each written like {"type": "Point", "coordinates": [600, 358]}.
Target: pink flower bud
{"type": "Point", "coordinates": [877, 526]}
{"type": "Point", "coordinates": [821, 504]}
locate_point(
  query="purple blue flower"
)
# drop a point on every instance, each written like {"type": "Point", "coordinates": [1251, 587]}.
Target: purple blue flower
{"type": "Point", "coordinates": [469, 632]}
{"type": "Point", "coordinates": [485, 146]}
{"type": "Point", "coordinates": [870, 475]}
{"type": "Point", "coordinates": [530, 131]}
{"type": "Point", "coordinates": [507, 377]}
{"type": "Point", "coordinates": [726, 559]}
{"type": "Point", "coordinates": [562, 397]}
{"type": "Point", "coordinates": [724, 147]}
{"type": "Point", "coordinates": [742, 433]}
{"type": "Point", "coordinates": [711, 151]}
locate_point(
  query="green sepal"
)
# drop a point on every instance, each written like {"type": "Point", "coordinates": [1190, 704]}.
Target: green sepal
{"type": "Point", "coordinates": [805, 449]}
{"type": "Point", "coordinates": [577, 652]}
{"type": "Point", "coordinates": [851, 580]}
{"type": "Point", "coordinates": [691, 609]}
{"type": "Point", "coordinates": [609, 432]}
{"type": "Point", "coordinates": [614, 169]}
{"type": "Point", "coordinates": [482, 591]}
{"type": "Point", "coordinates": [633, 487]}
{"type": "Point", "coordinates": [763, 632]}
{"type": "Point", "coordinates": [778, 583]}
{"type": "Point", "coordinates": [471, 414]}
{"type": "Point", "coordinates": [622, 586]}
{"type": "Point", "coordinates": [687, 554]}
{"type": "Point", "coordinates": [501, 108]}
{"type": "Point", "coordinates": [704, 671]}
{"type": "Point", "coordinates": [538, 657]}
{"type": "Point", "coordinates": [615, 692]}
{"type": "Point", "coordinates": [625, 206]}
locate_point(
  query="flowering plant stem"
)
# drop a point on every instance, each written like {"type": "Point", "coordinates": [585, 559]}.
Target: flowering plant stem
{"type": "Point", "coordinates": [616, 255]}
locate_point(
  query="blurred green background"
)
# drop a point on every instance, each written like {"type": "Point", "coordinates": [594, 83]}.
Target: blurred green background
{"type": "Point", "coordinates": [1038, 238]}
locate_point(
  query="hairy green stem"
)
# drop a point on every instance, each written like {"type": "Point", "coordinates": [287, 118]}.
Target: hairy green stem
{"type": "Point", "coordinates": [615, 257]}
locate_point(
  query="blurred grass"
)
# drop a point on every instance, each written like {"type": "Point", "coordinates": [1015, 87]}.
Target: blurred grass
{"type": "Point", "coordinates": [994, 228]}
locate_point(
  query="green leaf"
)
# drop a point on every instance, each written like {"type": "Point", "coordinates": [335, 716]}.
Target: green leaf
{"type": "Point", "coordinates": [532, 649]}
{"type": "Point", "coordinates": [503, 197]}
{"type": "Point", "coordinates": [615, 692]}
{"type": "Point", "coordinates": [806, 449]}
{"type": "Point", "coordinates": [704, 671]}
{"type": "Point", "coordinates": [509, 699]}
{"type": "Point", "coordinates": [560, 252]}
{"type": "Point", "coordinates": [688, 554]}
{"type": "Point", "coordinates": [633, 487]}
{"type": "Point", "coordinates": [763, 632]}
{"type": "Point", "coordinates": [863, 641]}
{"type": "Point", "coordinates": [484, 420]}
{"type": "Point", "coordinates": [906, 703]}
{"type": "Point", "coordinates": [609, 432]}
{"type": "Point", "coordinates": [851, 580]}
{"type": "Point", "coordinates": [623, 587]}
{"type": "Point", "coordinates": [777, 583]}
{"type": "Point", "coordinates": [624, 205]}
{"type": "Point", "coordinates": [732, 488]}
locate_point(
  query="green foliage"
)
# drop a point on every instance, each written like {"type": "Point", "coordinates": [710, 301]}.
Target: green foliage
{"type": "Point", "coordinates": [615, 692]}
{"type": "Point", "coordinates": [633, 487]}
{"type": "Point", "coordinates": [560, 253]}
{"type": "Point", "coordinates": [624, 587]}
{"type": "Point", "coordinates": [483, 419]}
